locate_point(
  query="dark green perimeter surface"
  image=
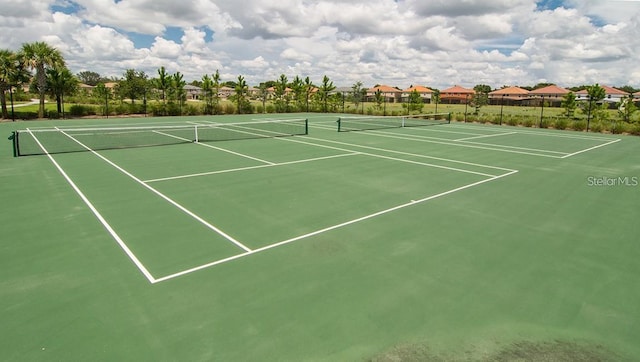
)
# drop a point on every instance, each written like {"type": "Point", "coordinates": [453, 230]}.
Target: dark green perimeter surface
{"type": "Point", "coordinates": [476, 263]}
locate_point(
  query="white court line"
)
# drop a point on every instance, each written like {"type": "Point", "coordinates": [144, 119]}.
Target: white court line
{"type": "Point", "coordinates": [250, 167]}
{"type": "Point", "coordinates": [381, 156]}
{"type": "Point", "coordinates": [485, 136]}
{"type": "Point", "coordinates": [453, 143]}
{"type": "Point", "coordinates": [163, 196]}
{"type": "Point", "coordinates": [97, 214]}
{"type": "Point", "coordinates": [592, 148]}
{"type": "Point", "coordinates": [534, 133]}
{"type": "Point", "coordinates": [217, 148]}
{"type": "Point", "coordinates": [330, 228]}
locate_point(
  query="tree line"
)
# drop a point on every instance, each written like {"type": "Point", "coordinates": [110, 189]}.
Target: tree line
{"type": "Point", "coordinates": [167, 91]}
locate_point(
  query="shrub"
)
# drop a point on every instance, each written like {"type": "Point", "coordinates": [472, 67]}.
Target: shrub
{"type": "Point", "coordinates": [596, 127]}
{"type": "Point", "coordinates": [561, 123]}
{"type": "Point", "coordinates": [635, 129]}
{"type": "Point", "coordinates": [545, 123]}
{"type": "Point", "coordinates": [229, 108]}
{"type": "Point", "coordinates": [271, 108]}
{"type": "Point", "coordinates": [618, 127]}
{"type": "Point", "coordinates": [528, 122]}
{"type": "Point", "coordinates": [579, 125]}
{"type": "Point", "coordinates": [79, 110]}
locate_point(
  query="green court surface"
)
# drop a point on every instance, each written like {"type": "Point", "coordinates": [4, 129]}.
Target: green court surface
{"type": "Point", "coordinates": [456, 242]}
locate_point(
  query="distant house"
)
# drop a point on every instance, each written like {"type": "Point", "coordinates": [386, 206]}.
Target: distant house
{"type": "Point", "coordinates": [456, 94]}
{"type": "Point", "coordinates": [193, 92]}
{"type": "Point", "coordinates": [509, 96]}
{"type": "Point", "coordinates": [551, 95]}
{"type": "Point", "coordinates": [226, 92]}
{"type": "Point", "coordinates": [390, 94]}
{"type": "Point", "coordinates": [424, 92]}
{"type": "Point", "coordinates": [612, 95]}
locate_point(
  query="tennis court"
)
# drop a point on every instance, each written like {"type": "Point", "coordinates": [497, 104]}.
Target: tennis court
{"type": "Point", "coordinates": [283, 239]}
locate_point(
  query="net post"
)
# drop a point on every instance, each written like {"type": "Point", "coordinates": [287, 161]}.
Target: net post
{"type": "Point", "coordinates": [449, 117]}
{"type": "Point", "coordinates": [306, 126]}
{"type": "Point", "coordinates": [403, 119]}
{"type": "Point", "coordinates": [338, 121]}
{"type": "Point", "coordinates": [14, 139]}
{"type": "Point", "coordinates": [195, 133]}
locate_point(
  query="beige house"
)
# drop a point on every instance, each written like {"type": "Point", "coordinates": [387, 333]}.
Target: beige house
{"type": "Point", "coordinates": [390, 94]}
{"type": "Point", "coordinates": [509, 96]}
{"type": "Point", "coordinates": [425, 93]}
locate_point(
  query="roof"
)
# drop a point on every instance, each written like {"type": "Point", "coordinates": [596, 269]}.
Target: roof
{"type": "Point", "coordinates": [384, 89]}
{"type": "Point", "coordinates": [607, 90]}
{"type": "Point", "coordinates": [419, 89]}
{"type": "Point", "coordinates": [458, 89]}
{"type": "Point", "coordinates": [552, 89]}
{"type": "Point", "coordinates": [510, 91]}
{"type": "Point", "coordinates": [191, 87]}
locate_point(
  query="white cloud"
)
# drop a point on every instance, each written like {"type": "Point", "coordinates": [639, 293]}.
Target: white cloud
{"type": "Point", "coordinates": [436, 43]}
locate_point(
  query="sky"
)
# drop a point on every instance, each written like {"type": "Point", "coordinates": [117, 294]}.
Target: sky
{"type": "Point", "coordinates": [435, 43]}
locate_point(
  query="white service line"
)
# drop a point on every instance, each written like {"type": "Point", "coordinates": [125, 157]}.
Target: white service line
{"type": "Point", "coordinates": [216, 148]}
{"type": "Point", "coordinates": [97, 214]}
{"type": "Point", "coordinates": [317, 232]}
{"type": "Point", "coordinates": [592, 148]}
{"type": "Point", "coordinates": [163, 196]}
{"type": "Point", "coordinates": [249, 168]}
{"type": "Point", "coordinates": [485, 136]}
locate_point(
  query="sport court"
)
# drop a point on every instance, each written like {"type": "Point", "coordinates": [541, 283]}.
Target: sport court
{"type": "Point", "coordinates": [191, 209]}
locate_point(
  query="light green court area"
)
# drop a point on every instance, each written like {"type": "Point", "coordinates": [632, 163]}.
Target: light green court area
{"type": "Point", "coordinates": [454, 242]}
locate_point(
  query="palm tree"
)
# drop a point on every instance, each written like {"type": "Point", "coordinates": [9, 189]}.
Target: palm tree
{"type": "Point", "coordinates": [40, 56]}
{"type": "Point", "coordinates": [61, 82]}
{"type": "Point", "coordinates": [10, 71]}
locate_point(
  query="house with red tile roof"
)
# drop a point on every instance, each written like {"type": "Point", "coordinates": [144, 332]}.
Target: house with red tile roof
{"type": "Point", "coordinates": [509, 96]}
{"type": "Point", "coordinates": [456, 94]}
{"type": "Point", "coordinates": [390, 94]}
{"type": "Point", "coordinates": [612, 95]}
{"type": "Point", "coordinates": [552, 95]}
{"type": "Point", "coordinates": [425, 93]}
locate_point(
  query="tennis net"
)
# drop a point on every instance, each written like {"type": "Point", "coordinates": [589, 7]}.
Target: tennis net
{"type": "Point", "coordinates": [359, 123]}
{"type": "Point", "coordinates": [65, 140]}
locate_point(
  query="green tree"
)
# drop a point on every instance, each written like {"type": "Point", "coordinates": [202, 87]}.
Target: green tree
{"type": "Point", "coordinates": [177, 89]}
{"type": "Point", "coordinates": [207, 90]}
{"type": "Point", "coordinates": [133, 86]}
{"type": "Point", "coordinates": [415, 101]}
{"type": "Point", "coordinates": [435, 97]}
{"type": "Point", "coordinates": [12, 73]}
{"type": "Point", "coordinates": [308, 89]}
{"type": "Point", "coordinates": [569, 104]}
{"type": "Point", "coordinates": [102, 95]}
{"type": "Point", "coordinates": [216, 91]}
{"type": "Point", "coordinates": [324, 91]}
{"type": "Point", "coordinates": [89, 78]}
{"type": "Point", "coordinates": [626, 108]}
{"type": "Point", "coordinates": [299, 94]}
{"type": "Point", "coordinates": [40, 56]}
{"type": "Point", "coordinates": [61, 82]}
{"type": "Point", "coordinates": [595, 94]}
{"type": "Point", "coordinates": [481, 97]}
{"type": "Point", "coordinates": [281, 95]}
{"type": "Point", "coordinates": [241, 94]}
{"type": "Point", "coordinates": [263, 94]}
{"type": "Point", "coordinates": [356, 94]}
{"type": "Point", "coordinates": [378, 97]}
{"type": "Point", "coordinates": [162, 83]}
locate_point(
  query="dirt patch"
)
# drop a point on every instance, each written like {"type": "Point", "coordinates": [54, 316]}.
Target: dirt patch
{"type": "Point", "coordinates": [521, 351]}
